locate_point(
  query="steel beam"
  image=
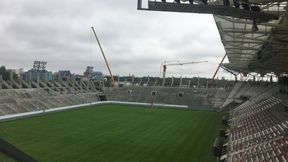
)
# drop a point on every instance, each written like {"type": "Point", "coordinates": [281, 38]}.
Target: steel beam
{"type": "Point", "coordinates": [210, 9]}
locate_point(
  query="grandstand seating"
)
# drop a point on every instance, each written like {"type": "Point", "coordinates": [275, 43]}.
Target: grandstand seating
{"type": "Point", "coordinates": [248, 90]}
{"type": "Point", "coordinates": [258, 128]}
{"type": "Point", "coordinates": [167, 95]}
{"type": "Point", "coordinates": [52, 95]}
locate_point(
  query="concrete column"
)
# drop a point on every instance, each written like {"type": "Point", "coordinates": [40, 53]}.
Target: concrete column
{"type": "Point", "coordinates": [148, 80]}
{"type": "Point", "coordinates": [81, 84]}
{"type": "Point", "coordinates": [30, 76]}
{"type": "Point", "coordinates": [155, 82]}
{"type": "Point", "coordinates": [46, 77]}
{"type": "Point", "coordinates": [103, 82]}
{"type": "Point", "coordinates": [11, 75]}
{"type": "Point", "coordinates": [198, 82]}
{"type": "Point", "coordinates": [71, 79]}
{"type": "Point", "coordinates": [132, 79]}
{"type": "Point", "coordinates": [172, 82]}
{"type": "Point", "coordinates": [1, 79]}
{"type": "Point", "coordinates": [163, 82]}
{"type": "Point", "coordinates": [20, 81]}
{"type": "Point", "coordinates": [11, 78]}
{"type": "Point", "coordinates": [38, 78]}
{"type": "Point", "coordinates": [241, 77]}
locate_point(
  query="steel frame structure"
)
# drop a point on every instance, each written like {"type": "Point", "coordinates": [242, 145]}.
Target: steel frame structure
{"type": "Point", "coordinates": [248, 51]}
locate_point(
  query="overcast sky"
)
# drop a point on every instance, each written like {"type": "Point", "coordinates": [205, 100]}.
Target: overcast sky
{"type": "Point", "coordinates": [135, 42]}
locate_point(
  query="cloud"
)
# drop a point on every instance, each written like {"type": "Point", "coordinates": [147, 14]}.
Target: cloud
{"type": "Point", "coordinates": [135, 42]}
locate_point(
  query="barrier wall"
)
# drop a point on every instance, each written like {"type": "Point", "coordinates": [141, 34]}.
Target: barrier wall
{"type": "Point", "coordinates": [67, 108]}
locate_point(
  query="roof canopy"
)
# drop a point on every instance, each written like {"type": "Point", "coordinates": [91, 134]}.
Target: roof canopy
{"type": "Point", "coordinates": [253, 41]}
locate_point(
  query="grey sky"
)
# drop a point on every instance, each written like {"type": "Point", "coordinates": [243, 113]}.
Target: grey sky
{"type": "Point", "coordinates": [135, 42]}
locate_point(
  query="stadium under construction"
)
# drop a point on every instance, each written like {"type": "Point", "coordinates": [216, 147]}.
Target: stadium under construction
{"type": "Point", "coordinates": [96, 118]}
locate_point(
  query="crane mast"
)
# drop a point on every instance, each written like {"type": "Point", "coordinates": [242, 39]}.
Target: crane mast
{"type": "Point", "coordinates": [108, 67]}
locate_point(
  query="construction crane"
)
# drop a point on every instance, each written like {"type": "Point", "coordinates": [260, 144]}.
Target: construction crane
{"type": "Point", "coordinates": [165, 64]}
{"type": "Point", "coordinates": [108, 67]}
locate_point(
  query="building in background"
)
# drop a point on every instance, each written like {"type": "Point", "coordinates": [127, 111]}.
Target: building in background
{"type": "Point", "coordinates": [89, 74]}
{"type": "Point", "coordinates": [38, 72]}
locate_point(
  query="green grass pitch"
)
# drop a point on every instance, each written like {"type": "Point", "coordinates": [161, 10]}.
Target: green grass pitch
{"type": "Point", "coordinates": [116, 133]}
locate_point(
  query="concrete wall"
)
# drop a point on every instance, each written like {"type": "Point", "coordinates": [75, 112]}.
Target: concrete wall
{"type": "Point", "coordinates": [190, 97]}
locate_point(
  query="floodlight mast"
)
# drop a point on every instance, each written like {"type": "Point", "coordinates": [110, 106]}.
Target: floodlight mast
{"type": "Point", "coordinates": [108, 67]}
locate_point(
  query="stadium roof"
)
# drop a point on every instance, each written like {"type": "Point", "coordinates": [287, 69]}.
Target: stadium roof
{"type": "Point", "coordinates": [263, 49]}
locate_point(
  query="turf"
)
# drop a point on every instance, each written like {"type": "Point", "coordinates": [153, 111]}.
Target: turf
{"type": "Point", "coordinates": [116, 133]}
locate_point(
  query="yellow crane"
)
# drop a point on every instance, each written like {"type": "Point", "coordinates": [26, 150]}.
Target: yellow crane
{"type": "Point", "coordinates": [108, 67]}
{"type": "Point", "coordinates": [166, 63]}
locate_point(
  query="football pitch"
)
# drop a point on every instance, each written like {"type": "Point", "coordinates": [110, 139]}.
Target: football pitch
{"type": "Point", "coordinates": [116, 133]}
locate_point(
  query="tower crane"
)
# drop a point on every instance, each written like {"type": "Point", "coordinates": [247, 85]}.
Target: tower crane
{"type": "Point", "coordinates": [165, 64]}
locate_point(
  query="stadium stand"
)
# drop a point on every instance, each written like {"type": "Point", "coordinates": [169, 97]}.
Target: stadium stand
{"type": "Point", "coordinates": [46, 95]}
{"type": "Point", "coordinates": [258, 127]}
{"type": "Point", "coordinates": [246, 90]}
{"type": "Point", "coordinates": [175, 95]}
